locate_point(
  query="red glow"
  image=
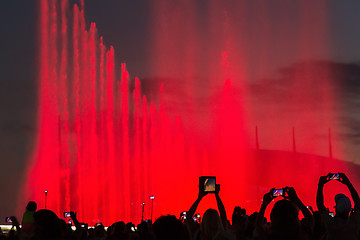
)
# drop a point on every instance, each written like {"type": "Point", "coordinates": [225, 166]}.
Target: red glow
{"type": "Point", "coordinates": [102, 150]}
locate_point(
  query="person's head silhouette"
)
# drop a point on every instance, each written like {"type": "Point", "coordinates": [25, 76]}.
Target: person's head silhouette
{"type": "Point", "coordinates": [31, 206]}
{"type": "Point", "coordinates": [284, 217]}
{"type": "Point", "coordinates": [47, 225]}
{"type": "Point", "coordinates": [343, 205]}
{"type": "Point", "coordinates": [211, 223]}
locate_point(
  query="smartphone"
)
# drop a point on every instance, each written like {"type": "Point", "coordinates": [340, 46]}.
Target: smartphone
{"type": "Point", "coordinates": [66, 214]}
{"type": "Point", "coordinates": [207, 183]}
{"type": "Point", "coordinates": [196, 217]}
{"type": "Point", "coordinates": [8, 220]}
{"type": "Point", "coordinates": [334, 176]}
{"type": "Point", "coordinates": [183, 215]}
{"type": "Point", "coordinates": [278, 192]}
{"type": "Point", "coordinates": [70, 222]}
{"type": "Point", "coordinates": [331, 214]}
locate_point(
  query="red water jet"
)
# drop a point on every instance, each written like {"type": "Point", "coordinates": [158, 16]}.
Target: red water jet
{"type": "Point", "coordinates": [103, 149]}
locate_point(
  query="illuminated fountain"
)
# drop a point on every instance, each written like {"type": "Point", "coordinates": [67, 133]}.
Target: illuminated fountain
{"type": "Point", "coordinates": [103, 149]}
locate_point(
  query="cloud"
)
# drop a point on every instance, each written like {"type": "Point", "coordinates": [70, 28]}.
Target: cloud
{"type": "Point", "coordinates": [313, 84]}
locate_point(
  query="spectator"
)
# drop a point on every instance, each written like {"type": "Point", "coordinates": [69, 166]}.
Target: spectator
{"type": "Point", "coordinates": [284, 217]}
{"type": "Point", "coordinates": [252, 224]}
{"type": "Point", "coordinates": [344, 225]}
{"type": "Point", "coordinates": [169, 227]}
{"type": "Point", "coordinates": [47, 225]}
{"type": "Point", "coordinates": [99, 232]}
{"type": "Point", "coordinates": [211, 223]}
{"type": "Point", "coordinates": [27, 224]}
{"type": "Point", "coordinates": [145, 231]}
{"type": "Point", "coordinates": [224, 235]}
{"type": "Point", "coordinates": [239, 222]}
{"type": "Point", "coordinates": [117, 231]}
{"type": "Point", "coordinates": [285, 223]}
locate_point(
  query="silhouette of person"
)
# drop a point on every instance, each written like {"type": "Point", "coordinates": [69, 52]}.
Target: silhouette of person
{"type": "Point", "coordinates": [343, 225]}
{"type": "Point", "coordinates": [169, 227]}
{"type": "Point", "coordinates": [212, 223]}
{"type": "Point", "coordinates": [284, 217]}
{"type": "Point", "coordinates": [27, 224]}
{"type": "Point", "coordinates": [47, 225]}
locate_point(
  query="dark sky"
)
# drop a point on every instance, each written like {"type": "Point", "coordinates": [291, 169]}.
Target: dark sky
{"type": "Point", "coordinates": [345, 31]}
{"type": "Point", "coordinates": [129, 26]}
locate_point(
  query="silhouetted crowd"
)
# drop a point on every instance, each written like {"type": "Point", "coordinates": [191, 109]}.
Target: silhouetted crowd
{"type": "Point", "coordinates": [284, 221]}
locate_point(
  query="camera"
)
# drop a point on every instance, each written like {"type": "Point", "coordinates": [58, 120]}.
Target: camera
{"type": "Point", "coordinates": [207, 184]}
{"type": "Point", "coordinates": [8, 220]}
{"type": "Point", "coordinates": [278, 192]}
{"type": "Point", "coordinates": [66, 214]}
{"type": "Point", "coordinates": [334, 176]}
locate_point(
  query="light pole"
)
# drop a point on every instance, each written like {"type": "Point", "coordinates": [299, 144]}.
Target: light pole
{"type": "Point", "coordinates": [46, 191]}
{"type": "Point", "coordinates": [142, 212]}
{"type": "Point", "coordinates": [152, 206]}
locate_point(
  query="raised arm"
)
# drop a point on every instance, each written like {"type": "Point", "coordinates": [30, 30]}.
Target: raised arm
{"type": "Point", "coordinates": [320, 193]}
{"type": "Point", "coordinates": [194, 206]}
{"type": "Point", "coordinates": [75, 220]}
{"type": "Point", "coordinates": [292, 196]}
{"type": "Point", "coordinates": [259, 225]}
{"type": "Point", "coordinates": [355, 196]}
{"type": "Point", "coordinates": [15, 223]}
{"type": "Point", "coordinates": [220, 206]}
{"type": "Point", "coordinates": [191, 226]}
